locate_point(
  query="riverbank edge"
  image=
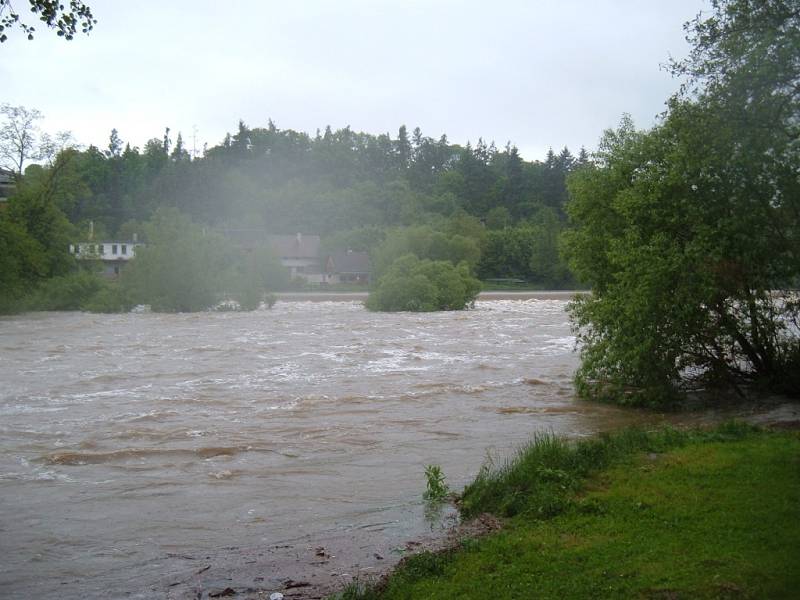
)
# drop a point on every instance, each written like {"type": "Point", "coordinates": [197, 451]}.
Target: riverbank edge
{"type": "Point", "coordinates": [485, 296]}
{"type": "Point", "coordinates": [553, 483]}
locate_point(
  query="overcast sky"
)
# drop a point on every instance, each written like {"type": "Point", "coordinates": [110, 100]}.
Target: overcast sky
{"type": "Point", "coordinates": [536, 72]}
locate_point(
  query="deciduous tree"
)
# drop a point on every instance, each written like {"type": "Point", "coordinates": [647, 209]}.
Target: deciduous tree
{"type": "Point", "coordinates": [66, 20]}
{"type": "Point", "coordinates": [412, 284]}
{"type": "Point", "coordinates": [690, 233]}
{"type": "Point", "coordinates": [19, 136]}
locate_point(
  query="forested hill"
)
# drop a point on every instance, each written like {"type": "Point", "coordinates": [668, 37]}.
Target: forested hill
{"type": "Point", "coordinates": [286, 181]}
{"type": "Point", "coordinates": [389, 196]}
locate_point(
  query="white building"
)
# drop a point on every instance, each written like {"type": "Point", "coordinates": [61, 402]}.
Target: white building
{"type": "Point", "coordinates": [113, 255]}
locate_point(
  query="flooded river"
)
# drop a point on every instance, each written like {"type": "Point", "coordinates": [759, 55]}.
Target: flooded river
{"type": "Point", "coordinates": [132, 445]}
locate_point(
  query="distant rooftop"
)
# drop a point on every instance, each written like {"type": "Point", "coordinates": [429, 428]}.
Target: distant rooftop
{"type": "Point", "coordinates": [298, 245]}
{"type": "Point", "coordinates": [350, 262]}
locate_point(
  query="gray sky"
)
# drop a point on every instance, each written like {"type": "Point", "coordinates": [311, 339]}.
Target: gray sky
{"type": "Point", "coordinates": [538, 73]}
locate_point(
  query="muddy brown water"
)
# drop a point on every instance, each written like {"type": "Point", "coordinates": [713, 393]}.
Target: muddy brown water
{"type": "Point", "coordinates": [139, 448]}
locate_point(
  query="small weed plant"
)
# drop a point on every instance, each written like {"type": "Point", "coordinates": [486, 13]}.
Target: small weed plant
{"type": "Point", "coordinates": [436, 489]}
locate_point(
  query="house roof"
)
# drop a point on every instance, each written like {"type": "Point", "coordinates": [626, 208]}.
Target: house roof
{"type": "Point", "coordinates": [245, 236]}
{"type": "Point", "coordinates": [106, 243]}
{"type": "Point", "coordinates": [294, 246]}
{"type": "Point", "coordinates": [298, 245]}
{"type": "Point", "coordinates": [351, 262]}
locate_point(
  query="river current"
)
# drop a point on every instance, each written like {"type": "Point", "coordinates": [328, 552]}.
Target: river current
{"type": "Point", "coordinates": [131, 441]}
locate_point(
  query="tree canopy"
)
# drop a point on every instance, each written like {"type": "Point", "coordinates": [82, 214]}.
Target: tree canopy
{"type": "Point", "coordinates": [66, 20]}
{"type": "Point", "coordinates": [689, 233]}
{"type": "Point", "coordinates": [411, 284]}
{"type": "Point", "coordinates": [185, 268]}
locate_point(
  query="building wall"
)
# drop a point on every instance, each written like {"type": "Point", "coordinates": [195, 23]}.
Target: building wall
{"type": "Point", "coordinates": [104, 250]}
{"type": "Point", "coordinates": [6, 184]}
{"type": "Point", "coordinates": [109, 254]}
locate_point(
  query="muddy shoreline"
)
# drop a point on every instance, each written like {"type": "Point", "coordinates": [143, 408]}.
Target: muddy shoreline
{"type": "Point", "coordinates": [315, 567]}
{"type": "Point", "coordinates": [309, 569]}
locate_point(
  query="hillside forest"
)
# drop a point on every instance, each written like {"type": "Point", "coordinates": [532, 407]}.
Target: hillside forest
{"type": "Point", "coordinates": [382, 194]}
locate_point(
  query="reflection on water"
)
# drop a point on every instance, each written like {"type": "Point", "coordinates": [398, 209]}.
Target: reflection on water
{"type": "Point", "coordinates": [130, 439]}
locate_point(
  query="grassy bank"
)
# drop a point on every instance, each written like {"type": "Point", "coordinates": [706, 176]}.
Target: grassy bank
{"type": "Point", "coordinates": [670, 514]}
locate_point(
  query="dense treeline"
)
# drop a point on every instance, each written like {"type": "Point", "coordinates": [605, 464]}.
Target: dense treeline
{"type": "Point", "coordinates": [286, 181]}
{"type": "Point", "coordinates": [386, 195]}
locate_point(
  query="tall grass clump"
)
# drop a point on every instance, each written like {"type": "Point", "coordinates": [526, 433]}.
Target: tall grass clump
{"type": "Point", "coordinates": [436, 488]}
{"type": "Point", "coordinates": [412, 569]}
{"type": "Point", "coordinates": [541, 480]}
{"type": "Point", "coordinates": [357, 590]}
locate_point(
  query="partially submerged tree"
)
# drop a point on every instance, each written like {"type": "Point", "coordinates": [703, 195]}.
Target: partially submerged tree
{"type": "Point", "coordinates": [185, 268]}
{"type": "Point", "coordinates": [424, 242]}
{"type": "Point", "coordinates": [690, 233]}
{"type": "Point", "coordinates": [180, 268]}
{"type": "Point", "coordinates": [417, 285]}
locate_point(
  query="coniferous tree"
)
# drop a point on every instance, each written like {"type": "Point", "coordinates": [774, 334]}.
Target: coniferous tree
{"type": "Point", "coordinates": [114, 145]}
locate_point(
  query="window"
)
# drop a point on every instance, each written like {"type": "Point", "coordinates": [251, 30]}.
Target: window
{"type": "Point", "coordinates": [101, 248]}
{"type": "Point", "coordinates": [113, 248]}
{"type": "Point", "coordinates": [124, 248]}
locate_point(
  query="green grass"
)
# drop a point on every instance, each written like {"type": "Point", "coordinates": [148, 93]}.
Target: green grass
{"type": "Point", "coordinates": [670, 514]}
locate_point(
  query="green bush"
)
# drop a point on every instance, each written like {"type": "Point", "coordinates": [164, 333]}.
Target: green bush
{"type": "Point", "coordinates": [255, 273]}
{"type": "Point", "coordinates": [66, 292]}
{"type": "Point", "coordinates": [186, 268]}
{"type": "Point", "coordinates": [108, 299]}
{"type": "Point", "coordinates": [417, 285]}
{"type": "Point", "coordinates": [180, 269]}
{"type": "Point", "coordinates": [425, 243]}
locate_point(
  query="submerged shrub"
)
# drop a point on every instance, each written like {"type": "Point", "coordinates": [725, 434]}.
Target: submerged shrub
{"type": "Point", "coordinates": [109, 299]}
{"type": "Point", "coordinates": [418, 285]}
{"type": "Point", "coordinates": [67, 292]}
{"type": "Point", "coordinates": [186, 268]}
